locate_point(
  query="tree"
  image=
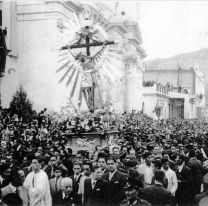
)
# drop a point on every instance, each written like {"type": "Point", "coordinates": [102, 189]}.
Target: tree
{"type": "Point", "coordinates": [21, 105]}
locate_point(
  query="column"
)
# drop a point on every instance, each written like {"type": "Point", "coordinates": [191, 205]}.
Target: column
{"type": "Point", "coordinates": [133, 74]}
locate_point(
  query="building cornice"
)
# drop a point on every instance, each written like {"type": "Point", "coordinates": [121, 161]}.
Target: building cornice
{"type": "Point", "coordinates": [29, 12]}
{"type": "Point", "coordinates": [139, 48]}
{"type": "Point", "coordinates": [155, 94]}
{"type": "Point", "coordinates": [115, 25]}
{"type": "Point", "coordinates": [167, 70]}
{"type": "Point", "coordinates": [75, 5]}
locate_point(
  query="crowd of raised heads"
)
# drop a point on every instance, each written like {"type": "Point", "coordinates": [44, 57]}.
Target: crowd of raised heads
{"type": "Point", "coordinates": [147, 162]}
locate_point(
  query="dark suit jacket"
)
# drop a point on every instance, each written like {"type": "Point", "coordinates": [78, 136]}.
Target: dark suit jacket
{"type": "Point", "coordinates": [5, 183]}
{"type": "Point", "coordinates": [53, 185]}
{"type": "Point", "coordinates": [115, 191]}
{"type": "Point", "coordinates": [97, 195]}
{"type": "Point", "coordinates": [139, 202]}
{"type": "Point", "coordinates": [69, 165]}
{"type": "Point", "coordinates": [197, 170]}
{"type": "Point", "coordinates": [76, 183]}
{"type": "Point", "coordinates": [19, 153]}
{"type": "Point", "coordinates": [172, 165]}
{"type": "Point", "coordinates": [48, 171]}
{"type": "Point", "coordinates": [185, 181]}
{"type": "Point", "coordinates": [157, 195]}
{"type": "Point", "coordinates": [71, 200]}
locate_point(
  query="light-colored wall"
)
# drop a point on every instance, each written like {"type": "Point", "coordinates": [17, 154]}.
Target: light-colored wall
{"type": "Point", "coordinates": [36, 39]}
{"type": "Point", "coordinates": [134, 87]}
{"type": "Point", "coordinates": [149, 105]}
{"type": "Point", "coordinates": [10, 81]}
{"type": "Point", "coordinates": [153, 98]}
{"type": "Point", "coordinates": [200, 89]}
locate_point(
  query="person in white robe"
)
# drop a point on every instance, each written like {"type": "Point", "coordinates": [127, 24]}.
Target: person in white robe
{"type": "Point", "coordinates": [38, 186]}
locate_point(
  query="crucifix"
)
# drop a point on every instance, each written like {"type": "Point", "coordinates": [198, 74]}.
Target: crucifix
{"type": "Point", "coordinates": [88, 62]}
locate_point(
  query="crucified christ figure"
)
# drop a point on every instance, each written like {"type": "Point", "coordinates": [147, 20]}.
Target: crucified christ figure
{"type": "Point", "coordinates": [88, 62]}
{"type": "Point", "coordinates": [88, 66]}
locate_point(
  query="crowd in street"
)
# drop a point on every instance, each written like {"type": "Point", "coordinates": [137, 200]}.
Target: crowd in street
{"type": "Point", "coordinates": [163, 162]}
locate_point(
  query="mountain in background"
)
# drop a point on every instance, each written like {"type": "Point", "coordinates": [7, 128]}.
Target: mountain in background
{"type": "Point", "coordinates": [186, 61]}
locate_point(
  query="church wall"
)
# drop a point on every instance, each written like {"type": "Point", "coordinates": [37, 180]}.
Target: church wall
{"type": "Point", "coordinates": [37, 43]}
{"type": "Point", "coordinates": [9, 82]}
{"type": "Point", "coordinates": [36, 61]}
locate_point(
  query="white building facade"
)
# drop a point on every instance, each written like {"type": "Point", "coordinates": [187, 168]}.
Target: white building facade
{"type": "Point", "coordinates": [172, 101]}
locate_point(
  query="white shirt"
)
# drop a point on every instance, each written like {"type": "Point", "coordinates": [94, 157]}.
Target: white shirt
{"type": "Point", "coordinates": [180, 167]}
{"type": "Point", "coordinates": [63, 195]}
{"type": "Point", "coordinates": [111, 174]}
{"type": "Point", "coordinates": [93, 182]}
{"type": "Point", "coordinates": [18, 147]}
{"type": "Point", "coordinates": [76, 177]}
{"type": "Point", "coordinates": [1, 179]}
{"type": "Point", "coordinates": [203, 153]}
{"type": "Point", "coordinates": [23, 192]}
{"type": "Point", "coordinates": [81, 184]}
{"type": "Point", "coordinates": [147, 171]}
{"type": "Point", "coordinates": [58, 182]}
{"type": "Point", "coordinates": [8, 189]}
{"type": "Point", "coordinates": [172, 180]}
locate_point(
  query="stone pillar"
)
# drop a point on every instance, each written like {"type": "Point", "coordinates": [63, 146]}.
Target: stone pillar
{"type": "Point", "coordinates": [133, 75]}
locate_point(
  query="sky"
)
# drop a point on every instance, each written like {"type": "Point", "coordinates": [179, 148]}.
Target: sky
{"type": "Point", "coordinates": [172, 27]}
{"type": "Point", "coordinates": [168, 28]}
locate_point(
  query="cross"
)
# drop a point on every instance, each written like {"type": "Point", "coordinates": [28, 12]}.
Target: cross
{"type": "Point", "coordinates": [87, 45]}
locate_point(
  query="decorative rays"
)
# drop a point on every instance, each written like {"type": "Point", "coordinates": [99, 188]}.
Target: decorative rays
{"type": "Point", "coordinates": [69, 69]}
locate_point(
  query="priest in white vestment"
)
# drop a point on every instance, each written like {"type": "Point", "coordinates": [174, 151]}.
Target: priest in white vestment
{"type": "Point", "coordinates": [38, 186]}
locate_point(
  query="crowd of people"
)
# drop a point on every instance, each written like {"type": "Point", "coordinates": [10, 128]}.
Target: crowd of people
{"type": "Point", "coordinates": [149, 162]}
